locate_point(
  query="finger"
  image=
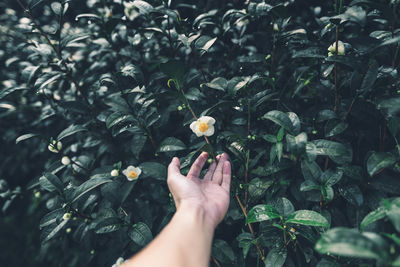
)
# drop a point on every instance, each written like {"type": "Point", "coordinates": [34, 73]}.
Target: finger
{"type": "Point", "coordinates": [217, 177]}
{"type": "Point", "coordinates": [174, 167]}
{"type": "Point", "coordinates": [210, 171]}
{"type": "Point", "coordinates": [226, 176]}
{"type": "Point", "coordinates": [197, 166]}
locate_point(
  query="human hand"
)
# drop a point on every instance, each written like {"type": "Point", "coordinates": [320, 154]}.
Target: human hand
{"type": "Point", "coordinates": [211, 194]}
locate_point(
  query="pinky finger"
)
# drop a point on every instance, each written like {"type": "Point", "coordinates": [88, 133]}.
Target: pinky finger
{"type": "Point", "coordinates": [226, 176]}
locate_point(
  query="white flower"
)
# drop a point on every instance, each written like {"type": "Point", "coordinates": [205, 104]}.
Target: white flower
{"type": "Point", "coordinates": [55, 146]}
{"type": "Point", "coordinates": [114, 173]}
{"type": "Point", "coordinates": [118, 263]}
{"type": "Point", "coordinates": [65, 160]}
{"type": "Point", "coordinates": [130, 11]}
{"type": "Point", "coordinates": [67, 216]}
{"type": "Point", "coordinates": [132, 173]}
{"type": "Point", "coordinates": [203, 126]}
{"type": "Point", "coordinates": [341, 50]}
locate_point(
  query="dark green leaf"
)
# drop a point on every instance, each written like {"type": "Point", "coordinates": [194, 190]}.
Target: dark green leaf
{"type": "Point", "coordinates": [378, 161]}
{"type": "Point", "coordinates": [140, 233]}
{"type": "Point", "coordinates": [171, 144]}
{"type": "Point", "coordinates": [88, 186]}
{"type": "Point", "coordinates": [308, 217]}
{"type": "Point", "coordinates": [261, 213]}
{"type": "Point", "coordinates": [350, 243]}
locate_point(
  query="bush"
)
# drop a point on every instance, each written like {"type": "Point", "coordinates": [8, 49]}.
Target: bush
{"type": "Point", "coordinates": [305, 95]}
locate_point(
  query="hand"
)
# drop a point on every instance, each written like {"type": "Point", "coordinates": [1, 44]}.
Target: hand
{"type": "Point", "coordinates": [211, 193]}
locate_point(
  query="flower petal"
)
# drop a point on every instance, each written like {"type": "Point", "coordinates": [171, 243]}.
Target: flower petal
{"type": "Point", "coordinates": [210, 131]}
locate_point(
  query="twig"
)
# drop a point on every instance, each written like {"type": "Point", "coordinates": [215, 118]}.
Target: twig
{"type": "Point", "coordinates": [215, 261]}
{"type": "Point", "coordinates": [250, 228]}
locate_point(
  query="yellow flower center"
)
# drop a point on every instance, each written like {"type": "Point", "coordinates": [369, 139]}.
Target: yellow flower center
{"type": "Point", "coordinates": [203, 127]}
{"type": "Point", "coordinates": [132, 174]}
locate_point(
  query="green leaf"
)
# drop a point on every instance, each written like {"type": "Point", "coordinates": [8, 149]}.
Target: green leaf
{"type": "Point", "coordinates": [352, 193]}
{"type": "Point", "coordinates": [350, 243]}
{"type": "Point", "coordinates": [51, 182]}
{"type": "Point", "coordinates": [333, 128]}
{"type": "Point", "coordinates": [296, 144]}
{"type": "Point", "coordinates": [272, 168]}
{"type": "Point", "coordinates": [170, 144]}
{"type": "Point", "coordinates": [311, 170]}
{"type": "Point", "coordinates": [6, 92]}
{"type": "Point", "coordinates": [280, 118]}
{"type": "Point", "coordinates": [370, 77]}
{"type": "Point", "coordinates": [25, 137]}
{"type": "Point", "coordinates": [144, 7]}
{"type": "Point", "coordinates": [257, 187]}
{"type": "Point", "coordinates": [203, 43]}
{"type": "Point", "coordinates": [337, 152]}
{"type": "Point", "coordinates": [134, 72]}
{"type": "Point", "coordinates": [117, 117]}
{"type": "Point", "coordinates": [108, 225]}
{"type": "Point", "coordinates": [308, 217]}
{"type": "Point", "coordinates": [378, 161]}
{"type": "Point", "coordinates": [222, 251]}
{"type": "Point", "coordinates": [276, 257]}
{"type": "Point", "coordinates": [153, 169]}
{"type": "Point", "coordinates": [72, 129]}
{"type": "Point", "coordinates": [373, 216]}
{"type": "Point", "coordinates": [217, 84]}
{"type": "Point", "coordinates": [331, 177]}
{"type": "Point", "coordinates": [261, 213]}
{"type": "Point", "coordinates": [88, 186]}
{"type": "Point", "coordinates": [51, 217]}
{"type": "Point", "coordinates": [140, 233]}
{"type": "Point", "coordinates": [245, 241]}
{"type": "Point", "coordinates": [52, 231]}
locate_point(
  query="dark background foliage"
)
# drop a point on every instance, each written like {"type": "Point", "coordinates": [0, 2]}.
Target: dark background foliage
{"type": "Point", "coordinates": [313, 138]}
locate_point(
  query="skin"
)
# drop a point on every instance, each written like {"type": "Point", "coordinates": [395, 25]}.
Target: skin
{"type": "Point", "coordinates": [201, 204]}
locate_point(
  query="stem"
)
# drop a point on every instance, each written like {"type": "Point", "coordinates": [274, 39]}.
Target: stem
{"type": "Point", "coordinates": [215, 261]}
{"type": "Point", "coordinates": [57, 52]}
{"type": "Point", "coordinates": [335, 109]}
{"type": "Point", "coordinates": [250, 228]}
{"type": "Point", "coordinates": [79, 165]}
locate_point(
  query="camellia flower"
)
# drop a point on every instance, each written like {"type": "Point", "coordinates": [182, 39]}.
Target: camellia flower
{"type": "Point", "coordinates": [203, 126]}
{"type": "Point", "coordinates": [65, 160]}
{"type": "Point", "coordinates": [332, 49]}
{"type": "Point", "coordinates": [55, 146]}
{"type": "Point", "coordinates": [114, 173]}
{"type": "Point", "coordinates": [132, 173]}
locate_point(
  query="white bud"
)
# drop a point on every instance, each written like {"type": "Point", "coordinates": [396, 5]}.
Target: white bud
{"type": "Point", "coordinates": [65, 160]}
{"type": "Point", "coordinates": [114, 173]}
{"type": "Point", "coordinates": [67, 216]}
{"type": "Point", "coordinates": [59, 145]}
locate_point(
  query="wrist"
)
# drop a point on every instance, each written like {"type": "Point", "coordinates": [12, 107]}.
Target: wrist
{"type": "Point", "coordinates": [195, 214]}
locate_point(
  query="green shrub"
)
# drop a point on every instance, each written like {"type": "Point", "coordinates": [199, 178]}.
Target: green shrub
{"type": "Point", "coordinates": [305, 95]}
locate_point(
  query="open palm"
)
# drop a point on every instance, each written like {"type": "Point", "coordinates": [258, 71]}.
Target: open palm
{"type": "Point", "coordinates": [210, 193]}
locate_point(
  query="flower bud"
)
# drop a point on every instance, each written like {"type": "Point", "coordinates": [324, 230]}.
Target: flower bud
{"type": "Point", "coordinates": [114, 173]}
{"type": "Point", "coordinates": [67, 216]}
{"type": "Point", "coordinates": [68, 230]}
{"type": "Point", "coordinates": [37, 194]}
{"type": "Point", "coordinates": [59, 145]}
{"type": "Point", "coordinates": [180, 108]}
{"type": "Point", "coordinates": [65, 160]}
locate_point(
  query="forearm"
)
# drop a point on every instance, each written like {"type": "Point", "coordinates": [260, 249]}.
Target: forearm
{"type": "Point", "coordinates": [185, 241]}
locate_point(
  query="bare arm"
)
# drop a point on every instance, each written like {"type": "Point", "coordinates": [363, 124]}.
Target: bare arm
{"type": "Point", "coordinates": [201, 206]}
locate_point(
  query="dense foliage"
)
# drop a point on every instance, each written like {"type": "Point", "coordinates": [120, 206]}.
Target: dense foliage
{"type": "Point", "coordinates": [305, 95]}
